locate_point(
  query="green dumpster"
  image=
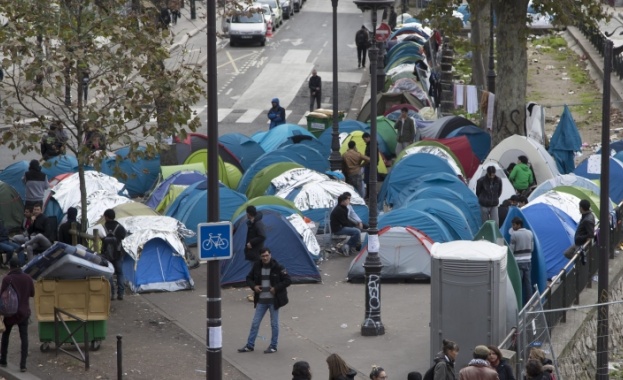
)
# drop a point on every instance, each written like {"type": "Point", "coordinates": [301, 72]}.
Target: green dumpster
{"type": "Point", "coordinates": [321, 119]}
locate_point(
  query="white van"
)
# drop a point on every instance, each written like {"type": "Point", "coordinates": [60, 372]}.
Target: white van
{"type": "Point", "coordinates": [247, 27]}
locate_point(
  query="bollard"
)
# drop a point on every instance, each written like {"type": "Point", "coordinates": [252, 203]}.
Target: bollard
{"type": "Point", "coordinates": [119, 359]}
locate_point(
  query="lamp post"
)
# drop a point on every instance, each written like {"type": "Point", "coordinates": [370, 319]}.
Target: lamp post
{"type": "Point", "coordinates": [491, 72]}
{"type": "Point", "coordinates": [604, 213]}
{"type": "Point", "coordinates": [372, 325]}
{"type": "Point", "coordinates": [335, 159]}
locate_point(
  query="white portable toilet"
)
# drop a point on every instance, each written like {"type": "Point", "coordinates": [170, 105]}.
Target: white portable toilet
{"type": "Point", "coordinates": [468, 295]}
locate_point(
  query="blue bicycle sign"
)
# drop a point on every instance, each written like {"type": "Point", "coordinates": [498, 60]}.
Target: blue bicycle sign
{"type": "Point", "coordinates": [214, 240]}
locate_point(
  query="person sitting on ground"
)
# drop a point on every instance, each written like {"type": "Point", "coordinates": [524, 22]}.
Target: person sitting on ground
{"type": "Point", "coordinates": [6, 245]}
{"type": "Point", "coordinates": [352, 162]}
{"type": "Point", "coordinates": [64, 235]}
{"type": "Point", "coordinates": [22, 236]}
{"type": "Point", "coordinates": [341, 225]}
{"type": "Point", "coordinates": [352, 215]}
{"type": "Point", "coordinates": [36, 233]}
{"type": "Point", "coordinates": [36, 183]}
{"type": "Point", "coordinates": [521, 176]}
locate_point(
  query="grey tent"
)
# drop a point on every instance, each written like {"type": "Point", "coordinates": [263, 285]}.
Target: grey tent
{"type": "Point", "coordinates": [404, 253]}
{"type": "Point", "coordinates": [385, 101]}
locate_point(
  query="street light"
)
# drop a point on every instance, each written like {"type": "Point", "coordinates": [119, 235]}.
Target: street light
{"type": "Point", "coordinates": [372, 325]}
{"type": "Point", "coordinates": [491, 73]}
{"type": "Point", "coordinates": [335, 159]}
{"type": "Point", "coordinates": [604, 213]}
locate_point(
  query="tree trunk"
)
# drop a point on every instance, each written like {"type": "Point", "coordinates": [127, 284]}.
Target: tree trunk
{"type": "Point", "coordinates": [512, 69]}
{"type": "Point", "coordinates": [478, 11]}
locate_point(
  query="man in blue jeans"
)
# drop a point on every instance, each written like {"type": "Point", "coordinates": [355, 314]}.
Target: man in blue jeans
{"type": "Point", "coordinates": [269, 281]}
{"type": "Point", "coordinates": [342, 225]}
{"type": "Point", "coordinates": [522, 245]}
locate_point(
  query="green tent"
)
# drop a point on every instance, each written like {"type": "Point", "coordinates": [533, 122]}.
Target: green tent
{"type": "Point", "coordinates": [172, 193]}
{"type": "Point", "coordinates": [490, 232]}
{"type": "Point", "coordinates": [131, 209]}
{"type": "Point", "coordinates": [12, 210]}
{"type": "Point", "coordinates": [582, 193]}
{"type": "Point", "coordinates": [170, 169]}
{"type": "Point", "coordinates": [266, 200]}
{"type": "Point", "coordinates": [448, 153]}
{"type": "Point", "coordinates": [385, 128]}
{"type": "Point", "coordinates": [201, 156]}
{"type": "Point", "coordinates": [261, 181]}
{"type": "Point", "coordinates": [233, 175]}
{"type": "Point", "coordinates": [361, 147]}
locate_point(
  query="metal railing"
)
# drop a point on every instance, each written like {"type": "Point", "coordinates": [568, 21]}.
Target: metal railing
{"type": "Point", "coordinates": [59, 322]}
{"type": "Point", "coordinates": [597, 39]}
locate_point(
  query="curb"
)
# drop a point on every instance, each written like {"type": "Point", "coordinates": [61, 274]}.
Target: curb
{"type": "Point", "coordinates": [12, 372]}
{"type": "Point", "coordinates": [186, 37]}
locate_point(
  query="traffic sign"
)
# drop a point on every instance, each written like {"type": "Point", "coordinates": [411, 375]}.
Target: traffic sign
{"type": "Point", "coordinates": [215, 240]}
{"type": "Point", "coordinates": [383, 32]}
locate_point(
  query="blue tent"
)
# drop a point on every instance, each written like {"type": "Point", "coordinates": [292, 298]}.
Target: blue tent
{"type": "Point", "coordinates": [408, 169]}
{"type": "Point", "coordinates": [467, 203]}
{"type": "Point", "coordinates": [344, 126]}
{"type": "Point", "coordinates": [159, 268]}
{"type": "Point", "coordinates": [314, 144]}
{"type": "Point", "coordinates": [301, 154]}
{"type": "Point", "coordinates": [140, 175]}
{"type": "Point", "coordinates": [451, 216]}
{"type": "Point", "coordinates": [619, 156]}
{"type": "Point", "coordinates": [555, 231]}
{"type": "Point", "coordinates": [423, 221]}
{"type": "Point", "coordinates": [187, 177]}
{"type": "Point", "coordinates": [479, 140]}
{"type": "Point", "coordinates": [244, 148]}
{"type": "Point", "coordinates": [539, 267]}
{"type": "Point", "coordinates": [565, 142]}
{"type": "Point", "coordinates": [593, 171]}
{"type": "Point", "coordinates": [564, 180]}
{"type": "Point", "coordinates": [13, 174]}
{"type": "Point", "coordinates": [275, 137]}
{"type": "Point", "coordinates": [615, 146]}
{"type": "Point", "coordinates": [191, 206]}
{"type": "Point", "coordinates": [286, 246]}
{"type": "Point", "coordinates": [60, 165]}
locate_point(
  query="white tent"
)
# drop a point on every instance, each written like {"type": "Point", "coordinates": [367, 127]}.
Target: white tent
{"type": "Point", "coordinates": [507, 187]}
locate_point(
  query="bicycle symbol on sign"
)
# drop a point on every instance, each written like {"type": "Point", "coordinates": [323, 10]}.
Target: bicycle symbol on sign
{"type": "Point", "coordinates": [215, 241]}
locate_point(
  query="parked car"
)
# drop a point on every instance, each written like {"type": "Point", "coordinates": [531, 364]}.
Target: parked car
{"type": "Point", "coordinates": [247, 26]}
{"type": "Point", "coordinates": [268, 13]}
{"type": "Point", "coordinates": [286, 8]}
{"type": "Point", "coordinates": [276, 6]}
{"type": "Point", "coordinates": [297, 5]}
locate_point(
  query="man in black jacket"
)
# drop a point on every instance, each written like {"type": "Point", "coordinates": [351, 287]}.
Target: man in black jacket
{"type": "Point", "coordinates": [315, 90]}
{"type": "Point", "coordinates": [584, 232]}
{"type": "Point", "coordinates": [269, 281]}
{"type": "Point", "coordinates": [362, 40]}
{"type": "Point", "coordinates": [342, 225]}
{"type": "Point", "coordinates": [36, 232]}
{"type": "Point", "coordinates": [114, 228]}
{"type": "Point", "coordinates": [64, 235]}
{"type": "Point", "coordinates": [256, 235]}
{"type": "Point", "coordinates": [488, 191]}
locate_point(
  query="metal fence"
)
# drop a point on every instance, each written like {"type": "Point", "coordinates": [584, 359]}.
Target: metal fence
{"type": "Point", "coordinates": [597, 39]}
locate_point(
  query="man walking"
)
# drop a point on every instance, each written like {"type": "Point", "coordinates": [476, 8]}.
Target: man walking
{"type": "Point", "coordinates": [25, 289]}
{"type": "Point", "coordinates": [112, 251]}
{"type": "Point", "coordinates": [584, 232]}
{"type": "Point", "coordinates": [352, 162]}
{"type": "Point", "coordinates": [522, 245]}
{"type": "Point", "coordinates": [276, 114]}
{"type": "Point", "coordinates": [479, 368]}
{"type": "Point", "coordinates": [362, 40]}
{"type": "Point", "coordinates": [405, 127]}
{"type": "Point", "coordinates": [315, 90]}
{"type": "Point", "coordinates": [268, 279]}
{"type": "Point", "coordinates": [488, 191]}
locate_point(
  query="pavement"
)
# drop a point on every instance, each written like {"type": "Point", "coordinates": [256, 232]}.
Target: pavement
{"type": "Point", "coordinates": [164, 334]}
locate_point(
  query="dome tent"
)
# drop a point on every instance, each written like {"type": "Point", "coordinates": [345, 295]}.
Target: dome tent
{"type": "Point", "coordinates": [139, 174]}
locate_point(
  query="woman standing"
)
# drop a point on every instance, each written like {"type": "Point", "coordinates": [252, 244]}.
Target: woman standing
{"type": "Point", "coordinates": [505, 372]}
{"type": "Point", "coordinates": [338, 369]}
{"type": "Point", "coordinates": [444, 361]}
{"type": "Point", "coordinates": [378, 373]}
{"type": "Point", "coordinates": [301, 371]}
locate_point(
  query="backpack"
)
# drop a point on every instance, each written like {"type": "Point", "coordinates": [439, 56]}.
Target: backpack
{"type": "Point", "coordinates": [8, 301]}
{"type": "Point", "coordinates": [430, 374]}
{"type": "Point", "coordinates": [111, 246]}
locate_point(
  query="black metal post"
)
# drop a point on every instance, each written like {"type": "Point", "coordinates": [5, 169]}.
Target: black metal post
{"type": "Point", "coordinates": [491, 72]}
{"type": "Point", "coordinates": [214, 338]}
{"type": "Point", "coordinates": [68, 84]}
{"type": "Point", "coordinates": [335, 159]}
{"type": "Point", "coordinates": [119, 358]}
{"type": "Point", "coordinates": [372, 324]}
{"type": "Point", "coordinates": [193, 10]}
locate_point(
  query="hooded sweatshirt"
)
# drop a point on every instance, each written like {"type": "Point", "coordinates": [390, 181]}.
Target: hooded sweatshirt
{"type": "Point", "coordinates": [36, 182]}
{"type": "Point", "coordinates": [277, 114]}
{"type": "Point", "coordinates": [521, 176]}
{"type": "Point", "coordinates": [256, 235]}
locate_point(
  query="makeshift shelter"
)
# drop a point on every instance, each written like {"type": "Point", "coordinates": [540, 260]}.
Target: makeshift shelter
{"type": "Point", "coordinates": [539, 267]}
{"type": "Point", "coordinates": [507, 186]}
{"type": "Point", "coordinates": [435, 148]}
{"type": "Point", "coordinates": [404, 254]}
{"type": "Point", "coordinates": [243, 147]}
{"type": "Point", "coordinates": [196, 142]}
{"type": "Point", "coordinates": [361, 148]}
{"type": "Point", "coordinates": [233, 175]}
{"type": "Point", "coordinates": [462, 149]}
{"type": "Point", "coordinates": [12, 207]}
{"type": "Point", "coordinates": [139, 174]}
{"type": "Point", "coordinates": [283, 133]}
{"type": "Point", "coordinates": [261, 181]}
{"type": "Point", "coordinates": [555, 231]}
{"type": "Point", "coordinates": [407, 170]}
{"type": "Point", "coordinates": [293, 178]}
{"type": "Point", "coordinates": [287, 247]}
{"type": "Point", "coordinates": [183, 178]}
{"type": "Point", "coordinates": [385, 129]}
{"type": "Point", "coordinates": [191, 206]}
{"type": "Point", "coordinates": [479, 139]}
{"type": "Point", "coordinates": [201, 157]}
{"type": "Point", "coordinates": [509, 149]}
{"type": "Point", "coordinates": [591, 168]}
{"type": "Point", "coordinates": [583, 193]}
{"type": "Point", "coordinates": [385, 101]}
{"type": "Point", "coordinates": [266, 200]}
{"type": "Point", "coordinates": [59, 165]}
{"type": "Point", "coordinates": [13, 174]}
{"type": "Point", "coordinates": [565, 142]}
{"type": "Point", "coordinates": [564, 180]}
{"type": "Point", "coordinates": [423, 221]}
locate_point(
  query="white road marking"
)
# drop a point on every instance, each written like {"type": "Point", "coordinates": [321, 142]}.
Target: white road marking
{"type": "Point", "coordinates": [223, 112]}
{"type": "Point", "coordinates": [295, 56]}
{"type": "Point", "coordinates": [229, 91]}
{"type": "Point", "coordinates": [250, 115]}
{"type": "Point", "coordinates": [232, 62]}
{"type": "Point", "coordinates": [342, 76]}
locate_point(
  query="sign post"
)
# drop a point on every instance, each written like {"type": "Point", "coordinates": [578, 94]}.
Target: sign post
{"type": "Point", "coordinates": [383, 32]}
{"type": "Point", "coordinates": [215, 241]}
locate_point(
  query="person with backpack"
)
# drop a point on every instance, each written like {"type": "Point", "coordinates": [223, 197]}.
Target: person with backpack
{"type": "Point", "coordinates": [25, 288]}
{"type": "Point", "coordinates": [443, 367]}
{"type": "Point", "coordinates": [362, 40]}
{"type": "Point", "coordinates": [64, 235]}
{"type": "Point", "coordinates": [113, 251]}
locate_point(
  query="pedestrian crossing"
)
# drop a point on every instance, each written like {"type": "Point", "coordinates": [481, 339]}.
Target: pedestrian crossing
{"type": "Point", "coordinates": [253, 116]}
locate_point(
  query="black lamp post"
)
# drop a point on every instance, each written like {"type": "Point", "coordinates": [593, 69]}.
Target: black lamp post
{"type": "Point", "coordinates": [491, 73]}
{"type": "Point", "coordinates": [604, 213]}
{"type": "Point", "coordinates": [372, 325]}
{"type": "Point", "coordinates": [335, 159]}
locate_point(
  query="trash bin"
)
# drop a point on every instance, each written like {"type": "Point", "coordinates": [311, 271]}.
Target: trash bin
{"type": "Point", "coordinates": [321, 119]}
{"type": "Point", "coordinates": [87, 299]}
